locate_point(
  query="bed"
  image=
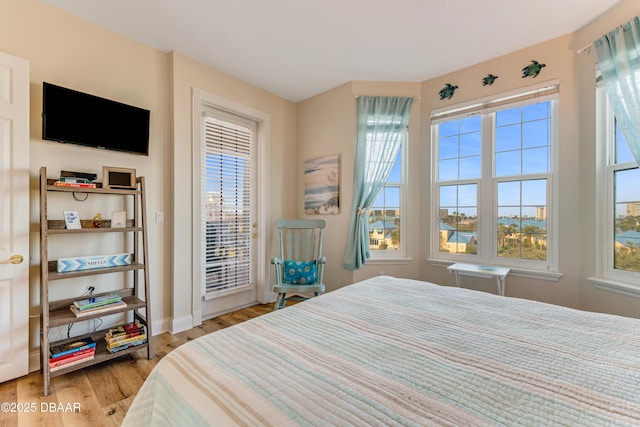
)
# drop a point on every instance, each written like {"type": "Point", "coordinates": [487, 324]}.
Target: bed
{"type": "Point", "coordinates": [389, 351]}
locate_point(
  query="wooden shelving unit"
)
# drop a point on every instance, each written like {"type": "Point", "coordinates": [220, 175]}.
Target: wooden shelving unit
{"type": "Point", "coordinates": [57, 313]}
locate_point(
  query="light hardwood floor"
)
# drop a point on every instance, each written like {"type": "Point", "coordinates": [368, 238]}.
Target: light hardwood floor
{"type": "Point", "coordinates": [102, 392]}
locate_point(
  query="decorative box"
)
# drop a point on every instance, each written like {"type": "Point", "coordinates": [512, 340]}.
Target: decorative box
{"type": "Point", "coordinates": [94, 261]}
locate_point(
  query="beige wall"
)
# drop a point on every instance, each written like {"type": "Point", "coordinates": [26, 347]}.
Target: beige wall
{"type": "Point", "coordinates": [560, 66]}
{"type": "Point", "coordinates": [188, 74]}
{"type": "Point", "coordinates": [593, 298]}
{"type": "Point", "coordinates": [327, 125]}
{"type": "Point", "coordinates": [69, 51]}
{"type": "Point", "coordinates": [75, 53]}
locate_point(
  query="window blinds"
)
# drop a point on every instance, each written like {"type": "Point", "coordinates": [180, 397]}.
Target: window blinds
{"type": "Point", "coordinates": [226, 203]}
{"type": "Point", "coordinates": [541, 93]}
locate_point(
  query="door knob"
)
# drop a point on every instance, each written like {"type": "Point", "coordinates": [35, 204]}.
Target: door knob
{"type": "Point", "coordinates": [13, 259]}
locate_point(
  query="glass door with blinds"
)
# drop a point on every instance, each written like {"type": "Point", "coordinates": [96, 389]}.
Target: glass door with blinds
{"type": "Point", "coordinates": [228, 208]}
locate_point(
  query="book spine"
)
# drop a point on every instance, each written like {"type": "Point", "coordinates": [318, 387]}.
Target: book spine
{"type": "Point", "coordinates": [70, 355]}
{"type": "Point", "coordinates": [53, 364]}
{"type": "Point", "coordinates": [72, 174]}
{"type": "Point", "coordinates": [75, 180]}
{"type": "Point", "coordinates": [71, 350]}
{"type": "Point", "coordinates": [121, 338]}
{"type": "Point", "coordinates": [126, 346]}
{"type": "Point", "coordinates": [125, 329]}
{"type": "Point", "coordinates": [87, 303]}
{"type": "Point", "coordinates": [103, 309]}
{"type": "Point", "coordinates": [126, 341]}
{"type": "Point", "coordinates": [75, 362]}
{"type": "Point", "coordinates": [73, 184]}
{"type": "Point", "coordinates": [97, 306]}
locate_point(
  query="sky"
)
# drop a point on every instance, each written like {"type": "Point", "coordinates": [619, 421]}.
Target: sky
{"type": "Point", "coordinates": [522, 146]}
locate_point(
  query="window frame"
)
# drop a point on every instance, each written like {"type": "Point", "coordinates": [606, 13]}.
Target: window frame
{"type": "Point", "coordinates": [487, 184]}
{"type": "Point", "coordinates": [605, 195]}
{"type": "Point", "coordinates": [401, 253]}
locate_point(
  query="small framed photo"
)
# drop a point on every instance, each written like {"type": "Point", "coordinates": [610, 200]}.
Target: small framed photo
{"type": "Point", "coordinates": [118, 219]}
{"type": "Point", "coordinates": [72, 220]}
{"type": "Point", "coordinates": [118, 178]}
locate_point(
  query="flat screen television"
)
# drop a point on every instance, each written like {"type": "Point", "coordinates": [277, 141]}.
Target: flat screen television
{"type": "Point", "coordinates": [74, 117]}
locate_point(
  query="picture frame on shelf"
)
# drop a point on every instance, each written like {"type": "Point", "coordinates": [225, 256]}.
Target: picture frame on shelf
{"type": "Point", "coordinates": [118, 219]}
{"type": "Point", "coordinates": [72, 220]}
{"type": "Point", "coordinates": [118, 178]}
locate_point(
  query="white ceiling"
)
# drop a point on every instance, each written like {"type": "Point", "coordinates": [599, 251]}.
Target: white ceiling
{"type": "Point", "coordinates": [299, 48]}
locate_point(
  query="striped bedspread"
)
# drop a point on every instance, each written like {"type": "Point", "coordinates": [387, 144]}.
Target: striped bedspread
{"type": "Point", "coordinates": [389, 351]}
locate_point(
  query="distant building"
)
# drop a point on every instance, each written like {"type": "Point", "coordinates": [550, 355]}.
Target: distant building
{"type": "Point", "coordinates": [380, 234]}
{"type": "Point", "coordinates": [386, 213]}
{"type": "Point", "coordinates": [541, 213]}
{"type": "Point", "coordinates": [452, 240]}
{"type": "Point", "coordinates": [459, 241]}
{"type": "Point", "coordinates": [633, 209]}
{"type": "Point", "coordinates": [213, 207]}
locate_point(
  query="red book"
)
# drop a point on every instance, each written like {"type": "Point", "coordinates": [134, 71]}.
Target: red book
{"type": "Point", "coordinates": [73, 184]}
{"type": "Point", "coordinates": [73, 354]}
{"type": "Point", "coordinates": [61, 362]}
{"type": "Point", "coordinates": [75, 362]}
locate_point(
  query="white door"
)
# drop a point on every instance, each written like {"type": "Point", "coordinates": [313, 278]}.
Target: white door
{"type": "Point", "coordinates": [230, 192]}
{"type": "Point", "coordinates": [228, 212]}
{"type": "Point", "coordinates": [14, 217]}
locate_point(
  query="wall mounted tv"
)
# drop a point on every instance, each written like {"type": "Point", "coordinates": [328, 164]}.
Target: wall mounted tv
{"type": "Point", "coordinates": [74, 117]}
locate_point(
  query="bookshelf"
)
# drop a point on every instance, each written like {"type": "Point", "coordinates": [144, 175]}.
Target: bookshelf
{"type": "Point", "coordinates": [56, 313]}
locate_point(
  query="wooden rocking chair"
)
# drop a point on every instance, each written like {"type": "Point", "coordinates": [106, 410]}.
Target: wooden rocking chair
{"type": "Point", "coordinates": [300, 267]}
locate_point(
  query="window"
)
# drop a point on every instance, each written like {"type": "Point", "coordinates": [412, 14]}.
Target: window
{"type": "Point", "coordinates": [385, 214]}
{"type": "Point", "coordinates": [621, 210]}
{"type": "Point", "coordinates": [493, 181]}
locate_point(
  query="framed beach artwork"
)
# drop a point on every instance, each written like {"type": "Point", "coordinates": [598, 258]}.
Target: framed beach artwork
{"type": "Point", "coordinates": [322, 185]}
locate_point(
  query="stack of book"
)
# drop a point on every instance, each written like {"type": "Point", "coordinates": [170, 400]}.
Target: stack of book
{"type": "Point", "coordinates": [125, 336]}
{"type": "Point", "coordinates": [76, 179]}
{"type": "Point", "coordinates": [72, 353]}
{"type": "Point", "coordinates": [101, 304]}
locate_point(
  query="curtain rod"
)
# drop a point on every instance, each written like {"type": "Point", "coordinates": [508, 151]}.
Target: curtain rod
{"type": "Point", "coordinates": [414, 97]}
{"type": "Point", "coordinates": [586, 48]}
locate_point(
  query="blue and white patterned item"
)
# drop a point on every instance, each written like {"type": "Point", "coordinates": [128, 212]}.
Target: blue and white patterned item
{"type": "Point", "coordinates": [90, 262]}
{"type": "Point", "coordinates": [300, 272]}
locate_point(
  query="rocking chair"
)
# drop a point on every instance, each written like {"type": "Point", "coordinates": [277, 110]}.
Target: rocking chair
{"type": "Point", "coordinates": [300, 267]}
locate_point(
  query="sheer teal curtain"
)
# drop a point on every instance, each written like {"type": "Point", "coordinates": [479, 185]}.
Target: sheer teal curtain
{"type": "Point", "coordinates": [619, 62]}
{"type": "Point", "coordinates": [382, 123]}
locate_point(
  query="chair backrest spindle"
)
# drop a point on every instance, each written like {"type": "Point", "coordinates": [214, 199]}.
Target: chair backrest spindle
{"type": "Point", "coordinates": [300, 239]}
{"type": "Point", "coordinates": [301, 242]}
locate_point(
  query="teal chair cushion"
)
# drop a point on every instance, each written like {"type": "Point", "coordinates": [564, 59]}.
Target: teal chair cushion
{"type": "Point", "coordinates": [300, 272]}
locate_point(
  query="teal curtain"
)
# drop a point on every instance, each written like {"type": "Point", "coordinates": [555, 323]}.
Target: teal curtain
{"type": "Point", "coordinates": [382, 123]}
{"type": "Point", "coordinates": [619, 61]}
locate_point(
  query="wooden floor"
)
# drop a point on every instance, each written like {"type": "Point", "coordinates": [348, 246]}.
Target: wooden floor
{"type": "Point", "coordinates": [104, 392]}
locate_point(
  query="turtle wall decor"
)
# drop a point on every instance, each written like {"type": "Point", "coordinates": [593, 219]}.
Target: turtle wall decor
{"type": "Point", "coordinates": [489, 79]}
{"type": "Point", "coordinates": [533, 69]}
{"type": "Point", "coordinates": [447, 91]}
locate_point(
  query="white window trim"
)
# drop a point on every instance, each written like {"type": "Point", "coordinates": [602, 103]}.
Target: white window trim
{"type": "Point", "coordinates": [607, 277]}
{"type": "Point", "coordinates": [399, 256]}
{"type": "Point", "coordinates": [487, 197]}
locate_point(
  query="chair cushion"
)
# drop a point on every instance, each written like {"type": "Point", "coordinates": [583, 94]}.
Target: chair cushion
{"type": "Point", "coordinates": [300, 272]}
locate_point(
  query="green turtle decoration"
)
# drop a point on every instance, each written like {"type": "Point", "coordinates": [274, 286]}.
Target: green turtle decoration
{"type": "Point", "coordinates": [489, 79]}
{"type": "Point", "coordinates": [447, 91]}
{"type": "Point", "coordinates": [533, 69]}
